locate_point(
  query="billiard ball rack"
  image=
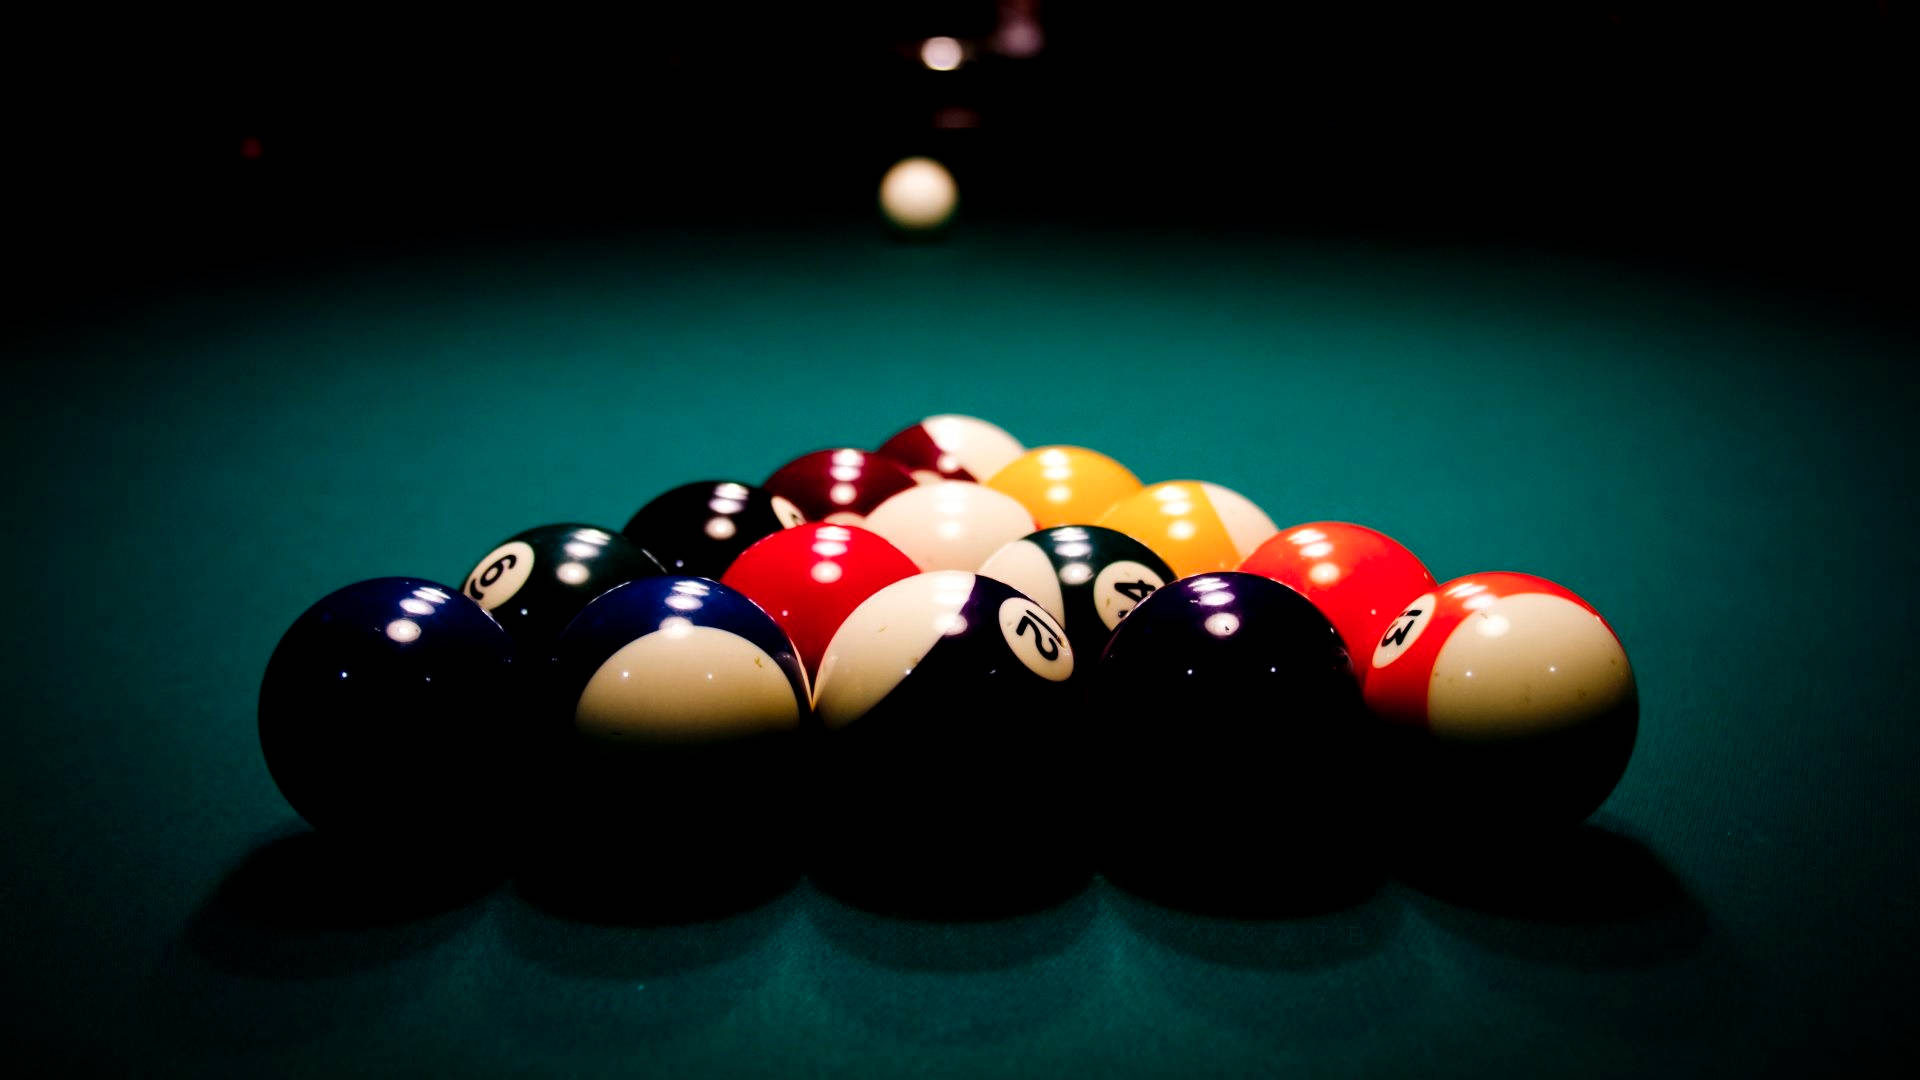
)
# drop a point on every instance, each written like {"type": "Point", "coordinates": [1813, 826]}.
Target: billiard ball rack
{"type": "Point", "coordinates": [965, 656]}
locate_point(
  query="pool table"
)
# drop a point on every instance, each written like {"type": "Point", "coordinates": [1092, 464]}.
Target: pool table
{"type": "Point", "coordinates": [1723, 464]}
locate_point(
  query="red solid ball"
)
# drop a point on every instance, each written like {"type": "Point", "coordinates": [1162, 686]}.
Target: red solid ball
{"type": "Point", "coordinates": [811, 578]}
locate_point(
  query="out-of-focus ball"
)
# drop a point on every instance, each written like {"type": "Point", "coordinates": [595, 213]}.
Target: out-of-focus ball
{"type": "Point", "coordinates": [918, 195]}
{"type": "Point", "coordinates": [388, 712]}
{"type": "Point", "coordinates": [1511, 704]}
{"type": "Point", "coordinates": [1065, 485]}
{"type": "Point", "coordinates": [811, 578]}
{"type": "Point", "coordinates": [538, 580]}
{"type": "Point", "coordinates": [953, 447]}
{"type": "Point", "coordinates": [1087, 577]}
{"type": "Point", "coordinates": [1357, 577]}
{"type": "Point", "coordinates": [700, 528]}
{"type": "Point", "coordinates": [841, 485]}
{"type": "Point", "coordinates": [951, 525]}
{"type": "Point", "coordinates": [1198, 528]}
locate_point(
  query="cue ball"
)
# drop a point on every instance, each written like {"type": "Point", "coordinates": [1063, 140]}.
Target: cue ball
{"type": "Point", "coordinates": [1510, 703]}
{"type": "Point", "coordinates": [918, 195]}
{"type": "Point", "coordinates": [386, 713]}
{"type": "Point", "coordinates": [1357, 577]}
{"type": "Point", "coordinates": [537, 581]}
{"type": "Point", "coordinates": [1088, 578]}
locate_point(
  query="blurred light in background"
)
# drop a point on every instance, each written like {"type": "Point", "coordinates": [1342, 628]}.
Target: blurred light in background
{"type": "Point", "coordinates": [956, 116]}
{"type": "Point", "coordinates": [1018, 34]}
{"type": "Point", "coordinates": [942, 53]}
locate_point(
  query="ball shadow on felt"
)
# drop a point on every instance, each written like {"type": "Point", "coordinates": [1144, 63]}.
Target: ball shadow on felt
{"type": "Point", "coordinates": [972, 825]}
{"type": "Point", "coordinates": [1585, 897]}
{"type": "Point", "coordinates": [1251, 827]}
{"type": "Point", "coordinates": [306, 934]}
{"type": "Point", "coordinates": [304, 904]}
{"type": "Point", "coordinates": [653, 834]}
{"type": "Point", "coordinates": [1248, 971]}
{"type": "Point", "coordinates": [954, 981]}
{"type": "Point", "coordinates": [623, 985]}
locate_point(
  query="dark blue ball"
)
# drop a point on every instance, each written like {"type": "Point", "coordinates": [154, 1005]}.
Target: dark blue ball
{"type": "Point", "coordinates": [704, 664]}
{"type": "Point", "coordinates": [387, 711]}
{"type": "Point", "coordinates": [677, 709]}
{"type": "Point", "coordinates": [1230, 723]}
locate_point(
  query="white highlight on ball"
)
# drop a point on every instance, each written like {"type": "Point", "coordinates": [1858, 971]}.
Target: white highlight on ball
{"type": "Point", "coordinates": [1222, 623]}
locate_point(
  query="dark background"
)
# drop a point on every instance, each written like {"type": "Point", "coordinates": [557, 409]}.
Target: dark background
{"type": "Point", "coordinates": [1754, 142]}
{"type": "Point", "coordinates": [508, 268]}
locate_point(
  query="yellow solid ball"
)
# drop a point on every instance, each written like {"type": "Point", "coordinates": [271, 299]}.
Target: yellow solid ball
{"type": "Point", "coordinates": [1065, 485]}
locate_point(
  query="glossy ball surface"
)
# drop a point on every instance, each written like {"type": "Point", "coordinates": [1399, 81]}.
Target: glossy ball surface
{"type": "Point", "coordinates": [840, 486]}
{"type": "Point", "coordinates": [1359, 578]}
{"type": "Point", "coordinates": [538, 580]}
{"type": "Point", "coordinates": [699, 529]}
{"type": "Point", "coordinates": [679, 709]}
{"type": "Point", "coordinates": [1065, 485]}
{"type": "Point", "coordinates": [951, 525]}
{"type": "Point", "coordinates": [1231, 729]}
{"type": "Point", "coordinates": [1511, 702]}
{"type": "Point", "coordinates": [944, 699]}
{"type": "Point", "coordinates": [388, 710]}
{"type": "Point", "coordinates": [953, 447]}
{"type": "Point", "coordinates": [812, 577]}
{"type": "Point", "coordinates": [1088, 578]}
{"type": "Point", "coordinates": [1199, 528]}
{"type": "Point", "coordinates": [678, 660]}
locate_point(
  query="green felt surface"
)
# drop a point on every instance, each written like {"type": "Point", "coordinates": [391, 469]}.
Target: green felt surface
{"type": "Point", "coordinates": [1726, 472]}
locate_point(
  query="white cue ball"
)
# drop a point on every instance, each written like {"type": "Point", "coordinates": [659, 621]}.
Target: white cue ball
{"type": "Point", "coordinates": [918, 194]}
